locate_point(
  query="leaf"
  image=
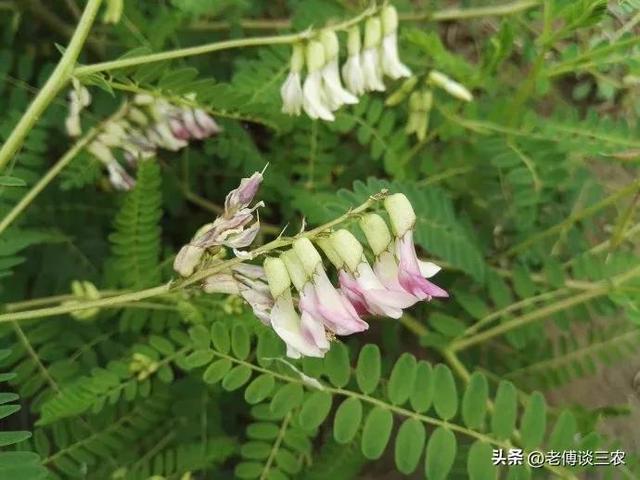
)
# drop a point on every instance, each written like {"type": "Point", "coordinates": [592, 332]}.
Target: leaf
{"type": "Point", "coordinates": [563, 433]}
{"type": "Point", "coordinates": [534, 421]}
{"type": "Point", "coordinates": [479, 464]}
{"type": "Point", "coordinates": [216, 371]}
{"type": "Point", "coordinates": [474, 401]}
{"type": "Point", "coordinates": [220, 337]}
{"type": "Point", "coordinates": [240, 343]}
{"type": "Point", "coordinates": [315, 409]}
{"type": "Point", "coordinates": [337, 365]}
{"type": "Point", "coordinates": [402, 379]}
{"type": "Point", "coordinates": [445, 396]}
{"type": "Point", "coordinates": [199, 358]}
{"type": "Point", "coordinates": [8, 181]}
{"type": "Point", "coordinates": [440, 454]}
{"type": "Point", "coordinates": [409, 445]}
{"type": "Point", "coordinates": [347, 420]}
{"type": "Point", "coordinates": [236, 378]}
{"type": "Point", "coordinates": [376, 432]}
{"type": "Point", "coordinates": [368, 368]}
{"type": "Point", "coordinates": [505, 410]}
{"type": "Point", "coordinates": [422, 393]}
{"type": "Point", "coordinates": [259, 389]}
{"type": "Point", "coordinates": [286, 399]}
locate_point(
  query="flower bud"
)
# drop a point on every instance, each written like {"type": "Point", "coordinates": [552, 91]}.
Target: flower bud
{"type": "Point", "coordinates": [277, 276]}
{"type": "Point", "coordinates": [452, 87]}
{"type": "Point", "coordinates": [307, 254]}
{"type": "Point", "coordinates": [297, 58]}
{"type": "Point", "coordinates": [221, 283]}
{"type": "Point", "coordinates": [389, 16]}
{"type": "Point", "coordinates": [330, 252]}
{"type": "Point", "coordinates": [348, 247]}
{"type": "Point", "coordinates": [372, 33]}
{"type": "Point", "coordinates": [243, 195]}
{"type": "Point", "coordinates": [401, 93]}
{"type": "Point", "coordinates": [353, 41]}
{"type": "Point", "coordinates": [415, 102]}
{"type": "Point", "coordinates": [295, 269]}
{"type": "Point", "coordinates": [330, 43]}
{"type": "Point", "coordinates": [143, 99]}
{"type": "Point", "coordinates": [315, 56]}
{"type": "Point", "coordinates": [401, 213]}
{"type": "Point", "coordinates": [376, 231]}
{"type": "Point", "coordinates": [137, 116]}
{"type": "Point", "coordinates": [188, 259]}
{"type": "Point", "coordinates": [113, 12]}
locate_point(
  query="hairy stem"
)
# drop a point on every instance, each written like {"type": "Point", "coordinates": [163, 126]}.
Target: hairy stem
{"type": "Point", "coordinates": [58, 79]}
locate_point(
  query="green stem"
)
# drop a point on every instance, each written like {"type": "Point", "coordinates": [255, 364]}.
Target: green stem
{"type": "Point", "coordinates": [214, 47]}
{"type": "Point", "coordinates": [466, 13]}
{"type": "Point", "coordinates": [545, 312]}
{"type": "Point", "coordinates": [58, 79]}
{"type": "Point", "coordinates": [53, 172]}
{"type": "Point", "coordinates": [587, 212]}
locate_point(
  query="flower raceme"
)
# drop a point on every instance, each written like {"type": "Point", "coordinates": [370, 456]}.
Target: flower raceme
{"type": "Point", "coordinates": [322, 91]}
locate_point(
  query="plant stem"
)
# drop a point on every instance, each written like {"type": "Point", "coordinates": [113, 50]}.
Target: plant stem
{"type": "Point", "coordinates": [214, 47]}
{"type": "Point", "coordinates": [54, 171]}
{"type": "Point", "coordinates": [545, 312]}
{"type": "Point", "coordinates": [466, 13]}
{"type": "Point", "coordinates": [58, 79]}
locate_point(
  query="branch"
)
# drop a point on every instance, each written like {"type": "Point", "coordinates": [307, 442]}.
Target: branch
{"type": "Point", "coordinates": [58, 79]}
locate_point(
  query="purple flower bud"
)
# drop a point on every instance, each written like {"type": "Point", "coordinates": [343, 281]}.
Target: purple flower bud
{"type": "Point", "coordinates": [242, 196]}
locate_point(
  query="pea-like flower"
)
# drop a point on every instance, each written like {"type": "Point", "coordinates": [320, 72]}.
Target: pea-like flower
{"type": "Point", "coordinates": [335, 94]}
{"type": "Point", "coordinates": [291, 91]}
{"type": "Point", "coordinates": [352, 73]}
{"type": "Point", "coordinates": [371, 67]}
{"type": "Point", "coordinates": [450, 86]}
{"type": "Point", "coordinates": [303, 336]}
{"type": "Point", "coordinates": [390, 61]}
{"type": "Point", "coordinates": [314, 101]}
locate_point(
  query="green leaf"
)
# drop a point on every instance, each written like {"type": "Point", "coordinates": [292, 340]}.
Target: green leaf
{"type": "Point", "coordinates": [8, 181]}
{"type": "Point", "coordinates": [505, 410]}
{"type": "Point", "coordinates": [409, 445]}
{"type": "Point", "coordinates": [286, 399]}
{"type": "Point", "coordinates": [440, 454]}
{"type": "Point", "coordinates": [376, 432]}
{"type": "Point", "coordinates": [474, 401]}
{"type": "Point", "coordinates": [422, 393]}
{"type": "Point", "coordinates": [337, 365]}
{"type": "Point", "coordinates": [216, 371]}
{"type": "Point", "coordinates": [259, 389]}
{"type": "Point", "coordinates": [236, 378]}
{"type": "Point", "coordinates": [368, 368]}
{"type": "Point", "coordinates": [402, 379]}
{"type": "Point", "coordinates": [199, 358]}
{"type": "Point", "coordinates": [240, 343]}
{"type": "Point", "coordinates": [534, 421]}
{"type": "Point", "coordinates": [479, 464]}
{"type": "Point", "coordinates": [220, 337]}
{"type": "Point", "coordinates": [563, 433]}
{"type": "Point", "coordinates": [445, 393]}
{"type": "Point", "coordinates": [315, 409]}
{"type": "Point", "coordinates": [347, 420]}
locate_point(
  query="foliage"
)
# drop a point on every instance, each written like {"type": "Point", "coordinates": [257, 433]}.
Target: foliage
{"type": "Point", "coordinates": [527, 196]}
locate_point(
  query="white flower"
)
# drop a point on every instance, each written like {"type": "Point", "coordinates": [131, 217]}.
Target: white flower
{"type": "Point", "coordinates": [391, 64]}
{"type": "Point", "coordinates": [291, 91]}
{"type": "Point", "coordinates": [314, 100]}
{"type": "Point", "coordinates": [371, 56]}
{"type": "Point", "coordinates": [352, 73]}
{"type": "Point", "coordinates": [335, 94]}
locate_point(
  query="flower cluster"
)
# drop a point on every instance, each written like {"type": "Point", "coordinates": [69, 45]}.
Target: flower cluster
{"type": "Point", "coordinates": [148, 124]}
{"type": "Point", "coordinates": [235, 228]}
{"type": "Point", "coordinates": [396, 280]}
{"type": "Point", "coordinates": [322, 92]}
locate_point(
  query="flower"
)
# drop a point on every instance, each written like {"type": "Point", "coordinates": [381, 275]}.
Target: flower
{"type": "Point", "coordinates": [390, 62]}
{"type": "Point", "coordinates": [411, 272]}
{"type": "Point", "coordinates": [314, 101]}
{"type": "Point", "coordinates": [371, 56]}
{"type": "Point", "coordinates": [229, 229]}
{"type": "Point", "coordinates": [337, 312]}
{"type": "Point", "coordinates": [352, 73]}
{"type": "Point", "coordinates": [291, 91]}
{"type": "Point", "coordinates": [79, 98]}
{"type": "Point", "coordinates": [360, 283]}
{"type": "Point", "coordinates": [335, 94]}
{"type": "Point", "coordinates": [452, 87]}
{"type": "Point", "coordinates": [303, 336]}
